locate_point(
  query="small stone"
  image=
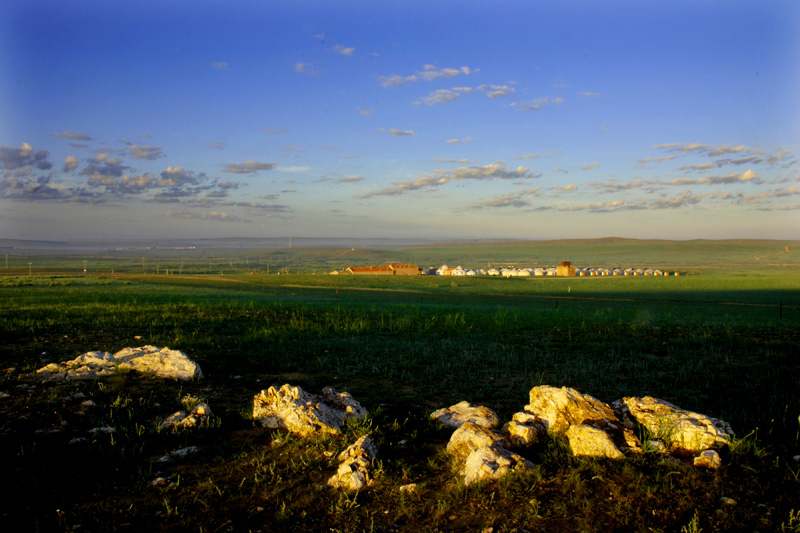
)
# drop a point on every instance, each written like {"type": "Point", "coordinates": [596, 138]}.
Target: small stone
{"type": "Point", "coordinates": [104, 429]}
{"type": "Point", "coordinates": [410, 488]}
{"type": "Point", "coordinates": [727, 501]}
{"type": "Point", "coordinates": [88, 403]}
{"type": "Point", "coordinates": [708, 459]}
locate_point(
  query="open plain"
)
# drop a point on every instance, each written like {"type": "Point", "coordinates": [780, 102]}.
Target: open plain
{"type": "Point", "coordinates": [721, 339]}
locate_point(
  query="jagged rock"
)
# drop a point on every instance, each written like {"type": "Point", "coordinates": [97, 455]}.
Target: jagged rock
{"type": "Point", "coordinates": [470, 437]}
{"type": "Point", "coordinates": [483, 453]}
{"type": "Point", "coordinates": [179, 453]}
{"type": "Point", "coordinates": [492, 462]}
{"type": "Point", "coordinates": [201, 414]}
{"type": "Point", "coordinates": [410, 488]}
{"type": "Point", "coordinates": [161, 362]}
{"type": "Point", "coordinates": [561, 408]}
{"type": "Point", "coordinates": [303, 413]}
{"type": "Point", "coordinates": [708, 459]}
{"type": "Point", "coordinates": [683, 432]}
{"type": "Point", "coordinates": [458, 414]}
{"type": "Point", "coordinates": [353, 473]}
{"type": "Point", "coordinates": [524, 429]}
{"type": "Point", "coordinates": [585, 440]}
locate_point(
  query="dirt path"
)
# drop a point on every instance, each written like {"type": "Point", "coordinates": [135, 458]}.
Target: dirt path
{"type": "Point", "coordinates": [760, 257]}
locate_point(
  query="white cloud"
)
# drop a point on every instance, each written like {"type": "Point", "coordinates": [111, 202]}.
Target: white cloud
{"type": "Point", "coordinates": [351, 179]}
{"type": "Point", "coordinates": [536, 104]}
{"type": "Point", "coordinates": [74, 135]}
{"type": "Point", "coordinates": [440, 96]}
{"type": "Point", "coordinates": [70, 163]}
{"type": "Point", "coordinates": [306, 68]}
{"type": "Point", "coordinates": [399, 133]}
{"type": "Point", "coordinates": [599, 207]}
{"type": "Point", "coordinates": [145, 152]}
{"type": "Point", "coordinates": [344, 50]}
{"type": "Point", "coordinates": [496, 91]}
{"type": "Point", "coordinates": [248, 167]}
{"type": "Point", "coordinates": [219, 64]}
{"type": "Point", "coordinates": [460, 141]}
{"type": "Point", "coordinates": [512, 199]}
{"type": "Point", "coordinates": [428, 73]}
{"type": "Point", "coordinates": [745, 177]}
{"type": "Point", "coordinates": [441, 177]}
{"type": "Point", "coordinates": [590, 166]}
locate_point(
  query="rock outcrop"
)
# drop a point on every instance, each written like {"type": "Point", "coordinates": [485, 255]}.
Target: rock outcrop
{"type": "Point", "coordinates": [483, 453]}
{"type": "Point", "coordinates": [456, 415]}
{"type": "Point", "coordinates": [160, 362]}
{"type": "Point", "coordinates": [303, 413]}
{"type": "Point", "coordinates": [198, 416]}
{"type": "Point", "coordinates": [524, 429]}
{"type": "Point", "coordinates": [561, 408]}
{"type": "Point", "coordinates": [353, 471]}
{"type": "Point", "coordinates": [681, 432]}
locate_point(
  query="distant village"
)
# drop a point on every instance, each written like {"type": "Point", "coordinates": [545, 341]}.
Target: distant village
{"type": "Point", "coordinates": [564, 269]}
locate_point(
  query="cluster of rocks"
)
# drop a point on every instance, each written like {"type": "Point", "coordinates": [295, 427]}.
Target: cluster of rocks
{"type": "Point", "coordinates": [597, 429]}
{"type": "Point", "coordinates": [160, 362]}
{"type": "Point", "coordinates": [591, 427]}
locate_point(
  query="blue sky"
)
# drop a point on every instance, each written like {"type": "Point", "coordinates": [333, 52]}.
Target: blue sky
{"type": "Point", "coordinates": [436, 119]}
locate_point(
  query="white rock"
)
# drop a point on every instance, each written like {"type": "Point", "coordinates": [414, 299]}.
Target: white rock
{"type": "Point", "coordinates": [161, 362]}
{"type": "Point", "coordinates": [409, 488]}
{"type": "Point", "coordinates": [585, 440]}
{"type": "Point", "coordinates": [179, 453]}
{"type": "Point", "coordinates": [561, 408]}
{"type": "Point", "coordinates": [456, 415]}
{"type": "Point", "coordinates": [201, 414]}
{"type": "Point", "coordinates": [483, 453]}
{"type": "Point", "coordinates": [683, 432]}
{"type": "Point", "coordinates": [104, 429]}
{"type": "Point", "coordinates": [491, 462]}
{"type": "Point", "coordinates": [470, 437]}
{"type": "Point", "coordinates": [524, 429]}
{"type": "Point", "coordinates": [302, 413]}
{"type": "Point", "coordinates": [708, 459]}
{"type": "Point", "coordinates": [4, 394]}
{"type": "Point", "coordinates": [353, 472]}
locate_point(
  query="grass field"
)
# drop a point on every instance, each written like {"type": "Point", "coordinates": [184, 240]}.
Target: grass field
{"type": "Point", "coordinates": [722, 340]}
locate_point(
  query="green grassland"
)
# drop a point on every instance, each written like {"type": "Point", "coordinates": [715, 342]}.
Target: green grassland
{"type": "Point", "coordinates": [722, 339]}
